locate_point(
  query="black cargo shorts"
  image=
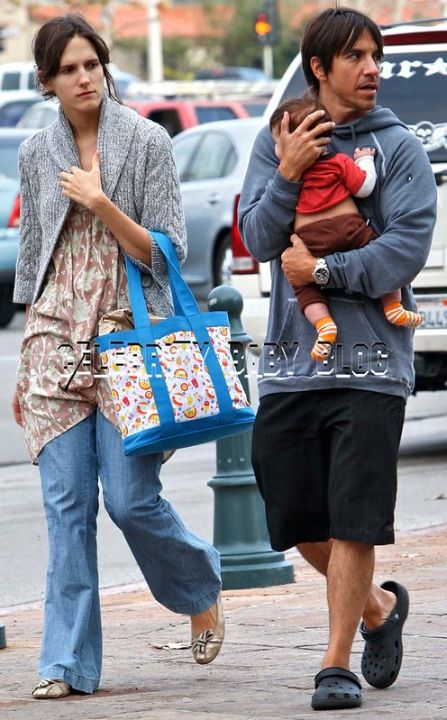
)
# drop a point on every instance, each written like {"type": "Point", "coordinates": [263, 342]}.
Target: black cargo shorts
{"type": "Point", "coordinates": [326, 465]}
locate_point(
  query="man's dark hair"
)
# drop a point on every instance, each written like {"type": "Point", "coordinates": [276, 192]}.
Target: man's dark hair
{"type": "Point", "coordinates": [51, 40]}
{"type": "Point", "coordinates": [298, 109]}
{"type": "Point", "coordinates": [332, 32]}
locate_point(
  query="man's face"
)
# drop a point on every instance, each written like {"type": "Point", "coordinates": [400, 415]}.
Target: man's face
{"type": "Point", "coordinates": [349, 89]}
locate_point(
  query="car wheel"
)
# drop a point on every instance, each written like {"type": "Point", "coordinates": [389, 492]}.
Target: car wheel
{"type": "Point", "coordinates": [223, 262]}
{"type": "Point", "coordinates": [7, 307]}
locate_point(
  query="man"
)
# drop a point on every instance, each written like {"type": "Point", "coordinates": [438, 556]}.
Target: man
{"type": "Point", "coordinates": [326, 437]}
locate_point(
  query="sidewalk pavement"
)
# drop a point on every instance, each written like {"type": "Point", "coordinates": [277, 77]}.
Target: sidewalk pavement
{"type": "Point", "coordinates": [275, 641]}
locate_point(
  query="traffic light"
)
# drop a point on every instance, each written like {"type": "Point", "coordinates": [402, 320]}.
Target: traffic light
{"type": "Point", "coordinates": [263, 27]}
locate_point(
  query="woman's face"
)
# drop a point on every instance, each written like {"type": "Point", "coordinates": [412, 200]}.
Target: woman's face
{"type": "Point", "coordinates": [79, 82]}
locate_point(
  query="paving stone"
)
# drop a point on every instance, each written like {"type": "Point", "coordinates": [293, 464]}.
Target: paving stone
{"type": "Point", "coordinates": [275, 639]}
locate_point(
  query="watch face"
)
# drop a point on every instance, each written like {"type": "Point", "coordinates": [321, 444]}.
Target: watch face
{"type": "Point", "coordinates": [321, 274]}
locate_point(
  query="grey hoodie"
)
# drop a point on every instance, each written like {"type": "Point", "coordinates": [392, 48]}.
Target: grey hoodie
{"type": "Point", "coordinates": [370, 353]}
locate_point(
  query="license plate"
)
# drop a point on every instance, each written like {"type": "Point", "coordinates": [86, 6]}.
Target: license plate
{"type": "Point", "coordinates": [434, 313]}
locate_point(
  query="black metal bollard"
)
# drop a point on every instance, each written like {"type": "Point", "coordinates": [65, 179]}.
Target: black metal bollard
{"type": "Point", "coordinates": [240, 530]}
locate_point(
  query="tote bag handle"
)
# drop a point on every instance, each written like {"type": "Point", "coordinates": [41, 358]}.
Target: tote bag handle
{"type": "Point", "coordinates": [184, 301]}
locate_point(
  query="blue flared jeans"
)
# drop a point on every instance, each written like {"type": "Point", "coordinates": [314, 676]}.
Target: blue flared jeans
{"type": "Point", "coordinates": [181, 570]}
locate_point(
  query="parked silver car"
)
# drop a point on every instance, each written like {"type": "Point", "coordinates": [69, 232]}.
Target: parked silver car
{"type": "Point", "coordinates": [211, 161]}
{"type": "Point", "coordinates": [10, 139]}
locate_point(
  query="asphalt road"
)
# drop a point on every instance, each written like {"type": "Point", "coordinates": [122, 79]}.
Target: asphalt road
{"type": "Point", "coordinates": [422, 500]}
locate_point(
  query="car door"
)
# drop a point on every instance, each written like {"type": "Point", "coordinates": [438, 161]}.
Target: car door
{"type": "Point", "coordinates": [206, 162]}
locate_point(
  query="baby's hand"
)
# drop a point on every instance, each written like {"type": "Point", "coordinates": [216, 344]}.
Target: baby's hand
{"type": "Point", "coordinates": [361, 152]}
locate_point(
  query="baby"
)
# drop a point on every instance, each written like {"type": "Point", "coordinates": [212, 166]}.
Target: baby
{"type": "Point", "coordinates": [328, 220]}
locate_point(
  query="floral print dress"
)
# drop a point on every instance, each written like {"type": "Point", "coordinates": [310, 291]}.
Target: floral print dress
{"type": "Point", "coordinates": [57, 382]}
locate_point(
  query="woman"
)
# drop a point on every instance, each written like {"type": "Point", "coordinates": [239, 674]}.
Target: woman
{"type": "Point", "coordinates": [93, 184]}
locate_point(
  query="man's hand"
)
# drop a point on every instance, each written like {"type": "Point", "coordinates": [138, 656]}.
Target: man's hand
{"type": "Point", "coordinates": [298, 262]}
{"type": "Point", "coordinates": [300, 148]}
{"type": "Point", "coordinates": [81, 186]}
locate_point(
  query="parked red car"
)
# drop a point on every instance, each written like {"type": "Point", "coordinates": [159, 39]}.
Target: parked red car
{"type": "Point", "coordinates": [178, 115]}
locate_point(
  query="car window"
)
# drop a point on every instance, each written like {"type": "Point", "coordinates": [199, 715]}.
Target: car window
{"type": "Point", "coordinates": [8, 160]}
{"type": "Point", "coordinates": [168, 118]}
{"type": "Point", "coordinates": [230, 161]}
{"type": "Point", "coordinates": [255, 109]}
{"type": "Point", "coordinates": [30, 118]}
{"type": "Point", "coordinates": [48, 115]}
{"type": "Point", "coordinates": [231, 73]}
{"type": "Point", "coordinates": [38, 116]}
{"type": "Point", "coordinates": [413, 86]}
{"type": "Point", "coordinates": [11, 113]}
{"type": "Point", "coordinates": [31, 80]}
{"type": "Point", "coordinates": [215, 157]}
{"type": "Point", "coordinates": [183, 152]}
{"type": "Point", "coordinates": [210, 114]}
{"type": "Point", "coordinates": [11, 81]}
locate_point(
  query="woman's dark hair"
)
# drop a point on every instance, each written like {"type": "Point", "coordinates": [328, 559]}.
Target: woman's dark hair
{"type": "Point", "coordinates": [298, 109]}
{"type": "Point", "coordinates": [332, 32]}
{"type": "Point", "coordinates": [51, 40]}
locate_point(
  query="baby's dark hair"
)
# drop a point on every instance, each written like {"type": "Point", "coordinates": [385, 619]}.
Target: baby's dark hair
{"type": "Point", "coordinates": [298, 109]}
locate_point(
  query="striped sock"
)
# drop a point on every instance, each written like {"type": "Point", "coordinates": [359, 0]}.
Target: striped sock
{"type": "Point", "coordinates": [397, 315]}
{"type": "Point", "coordinates": [327, 334]}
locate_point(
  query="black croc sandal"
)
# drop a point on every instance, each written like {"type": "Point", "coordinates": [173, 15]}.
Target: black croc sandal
{"type": "Point", "coordinates": [336, 689]}
{"type": "Point", "coordinates": [382, 656]}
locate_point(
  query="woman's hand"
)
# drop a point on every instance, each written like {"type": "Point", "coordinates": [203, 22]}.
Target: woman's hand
{"type": "Point", "coordinates": [16, 409]}
{"type": "Point", "coordinates": [300, 148]}
{"type": "Point", "coordinates": [81, 186]}
{"type": "Point", "coordinates": [298, 263]}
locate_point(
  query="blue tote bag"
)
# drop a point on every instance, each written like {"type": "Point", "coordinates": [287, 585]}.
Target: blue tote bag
{"type": "Point", "coordinates": [173, 382]}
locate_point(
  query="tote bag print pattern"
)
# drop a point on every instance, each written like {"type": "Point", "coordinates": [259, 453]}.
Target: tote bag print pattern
{"type": "Point", "coordinates": [173, 383]}
{"type": "Point", "coordinates": [190, 388]}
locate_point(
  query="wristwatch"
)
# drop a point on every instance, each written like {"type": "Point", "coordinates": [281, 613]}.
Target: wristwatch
{"type": "Point", "coordinates": [321, 272]}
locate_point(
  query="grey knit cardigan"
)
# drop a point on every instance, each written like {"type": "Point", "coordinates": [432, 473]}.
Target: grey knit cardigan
{"type": "Point", "coordinates": [137, 173]}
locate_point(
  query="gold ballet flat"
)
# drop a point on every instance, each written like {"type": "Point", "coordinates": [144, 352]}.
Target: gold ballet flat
{"type": "Point", "coordinates": [206, 646]}
{"type": "Point", "coordinates": [51, 690]}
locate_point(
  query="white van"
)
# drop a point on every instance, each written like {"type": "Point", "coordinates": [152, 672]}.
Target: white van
{"type": "Point", "coordinates": [17, 76]}
{"type": "Point", "coordinates": [414, 86]}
